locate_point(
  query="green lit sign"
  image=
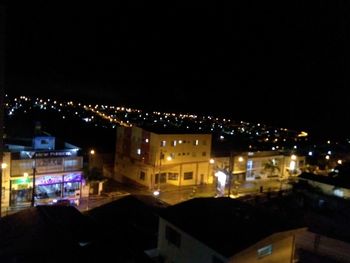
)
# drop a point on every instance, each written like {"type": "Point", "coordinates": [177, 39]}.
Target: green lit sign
{"type": "Point", "coordinates": [22, 181]}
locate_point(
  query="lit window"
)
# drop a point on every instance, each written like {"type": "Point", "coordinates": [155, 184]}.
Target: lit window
{"type": "Point", "coordinates": [147, 140]}
{"type": "Point", "coordinates": [264, 251]}
{"type": "Point", "coordinates": [196, 142]}
{"type": "Point", "coordinates": [162, 143]}
{"type": "Point", "coordinates": [139, 151]}
{"type": "Point", "coordinates": [173, 143]}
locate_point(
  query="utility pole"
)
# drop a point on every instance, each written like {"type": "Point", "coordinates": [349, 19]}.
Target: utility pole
{"type": "Point", "coordinates": [2, 86]}
{"type": "Point", "coordinates": [160, 168]}
{"type": "Point", "coordinates": [230, 173]}
{"type": "Point", "coordinates": [33, 189]}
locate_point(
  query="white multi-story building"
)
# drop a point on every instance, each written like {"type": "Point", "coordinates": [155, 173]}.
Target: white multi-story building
{"type": "Point", "coordinates": [56, 168]}
{"type": "Point", "coordinates": [261, 165]}
{"type": "Point", "coordinates": [151, 159]}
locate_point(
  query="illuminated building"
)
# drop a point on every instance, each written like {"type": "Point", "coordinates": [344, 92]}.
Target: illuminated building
{"type": "Point", "coordinates": [56, 167]}
{"type": "Point", "coordinates": [152, 159]}
{"type": "Point", "coordinates": [262, 165]}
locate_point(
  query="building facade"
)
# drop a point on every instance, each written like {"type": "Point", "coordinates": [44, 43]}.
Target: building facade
{"type": "Point", "coordinates": [152, 159]}
{"type": "Point", "coordinates": [57, 172]}
{"type": "Point", "coordinates": [252, 166]}
{"type": "Point", "coordinates": [229, 233]}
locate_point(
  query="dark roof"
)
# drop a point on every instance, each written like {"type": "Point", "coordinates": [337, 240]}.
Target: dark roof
{"type": "Point", "coordinates": [28, 143]}
{"type": "Point", "coordinates": [128, 217]}
{"type": "Point", "coordinates": [338, 181]}
{"type": "Point", "coordinates": [171, 129]}
{"type": "Point", "coordinates": [224, 224]}
{"type": "Point", "coordinates": [43, 232]}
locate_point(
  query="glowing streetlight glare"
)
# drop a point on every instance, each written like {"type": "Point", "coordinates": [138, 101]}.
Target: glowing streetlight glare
{"type": "Point", "coordinates": [340, 162]}
{"type": "Point", "coordinates": [211, 161]}
{"type": "Point", "coordinates": [292, 165]}
{"type": "Point", "coordinates": [221, 177]}
{"type": "Point", "coordinates": [92, 152]}
{"type": "Point", "coordinates": [310, 153]}
{"type": "Point", "coordinates": [169, 158]}
{"type": "Point", "coordinates": [240, 159]}
{"type": "Point", "coordinates": [156, 193]}
{"type": "Point", "coordinates": [25, 174]}
{"type": "Point", "coordinates": [293, 157]}
{"type": "Point", "coordinates": [327, 157]}
{"type": "Point", "coordinates": [3, 165]}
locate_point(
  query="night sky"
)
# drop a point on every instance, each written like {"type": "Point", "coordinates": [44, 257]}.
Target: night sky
{"type": "Point", "coordinates": [282, 63]}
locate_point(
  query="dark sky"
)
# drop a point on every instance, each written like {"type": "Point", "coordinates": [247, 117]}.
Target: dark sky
{"type": "Point", "coordinates": [283, 62]}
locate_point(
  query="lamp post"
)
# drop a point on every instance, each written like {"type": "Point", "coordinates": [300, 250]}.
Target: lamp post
{"type": "Point", "coordinates": [230, 173]}
{"type": "Point", "coordinates": [157, 191]}
{"type": "Point", "coordinates": [33, 189]}
{"type": "Point", "coordinates": [3, 166]}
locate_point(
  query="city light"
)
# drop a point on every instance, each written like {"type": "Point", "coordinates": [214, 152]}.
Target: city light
{"type": "Point", "coordinates": [240, 159]}
{"type": "Point", "coordinates": [3, 165]}
{"type": "Point", "coordinates": [211, 161]}
{"type": "Point", "coordinates": [92, 152]}
{"type": "Point", "coordinates": [340, 162]}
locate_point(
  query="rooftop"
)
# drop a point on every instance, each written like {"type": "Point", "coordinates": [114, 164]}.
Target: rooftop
{"type": "Point", "coordinates": [337, 181]}
{"type": "Point", "coordinates": [218, 222]}
{"type": "Point", "coordinates": [171, 130]}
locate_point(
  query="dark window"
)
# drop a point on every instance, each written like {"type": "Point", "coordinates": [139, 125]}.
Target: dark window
{"type": "Point", "coordinates": [204, 153]}
{"type": "Point", "coordinates": [204, 142]}
{"type": "Point", "coordinates": [142, 176]}
{"type": "Point", "coordinates": [172, 236]}
{"type": "Point", "coordinates": [44, 142]}
{"type": "Point", "coordinates": [188, 176]}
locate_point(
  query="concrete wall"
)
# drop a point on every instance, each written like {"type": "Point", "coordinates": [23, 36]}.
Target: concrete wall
{"type": "Point", "coordinates": [190, 250]}
{"type": "Point", "coordinates": [330, 189]}
{"type": "Point", "coordinates": [324, 246]}
{"type": "Point", "coordinates": [282, 251]}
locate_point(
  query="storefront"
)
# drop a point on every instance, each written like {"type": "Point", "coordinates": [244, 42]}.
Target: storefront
{"type": "Point", "coordinates": [47, 188]}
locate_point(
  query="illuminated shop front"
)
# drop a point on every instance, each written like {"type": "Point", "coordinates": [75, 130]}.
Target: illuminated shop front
{"type": "Point", "coordinates": [48, 187]}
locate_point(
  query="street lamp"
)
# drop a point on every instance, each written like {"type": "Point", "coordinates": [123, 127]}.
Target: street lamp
{"type": "Point", "coordinates": [33, 189]}
{"type": "Point", "coordinates": [3, 166]}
